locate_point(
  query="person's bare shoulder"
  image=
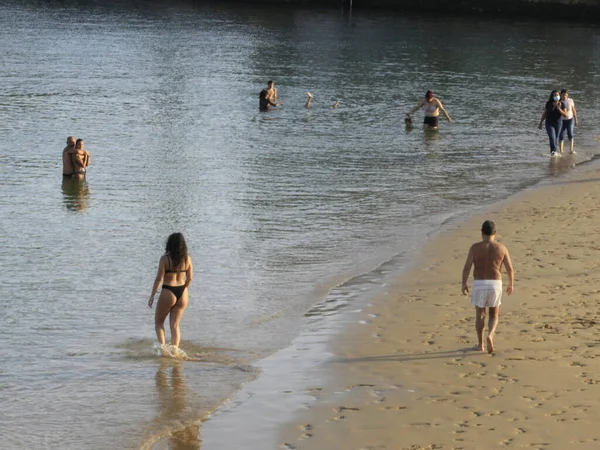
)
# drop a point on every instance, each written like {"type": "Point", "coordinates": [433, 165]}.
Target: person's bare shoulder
{"type": "Point", "coordinates": [501, 248]}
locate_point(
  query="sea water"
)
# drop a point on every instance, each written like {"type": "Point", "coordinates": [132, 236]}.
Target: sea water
{"type": "Point", "coordinates": [279, 209]}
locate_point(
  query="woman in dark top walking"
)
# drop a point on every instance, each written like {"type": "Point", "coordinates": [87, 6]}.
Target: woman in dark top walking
{"type": "Point", "coordinates": [175, 273]}
{"type": "Point", "coordinates": [553, 115]}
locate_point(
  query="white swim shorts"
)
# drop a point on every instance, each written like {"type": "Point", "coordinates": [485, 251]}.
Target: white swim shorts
{"type": "Point", "coordinates": [486, 293]}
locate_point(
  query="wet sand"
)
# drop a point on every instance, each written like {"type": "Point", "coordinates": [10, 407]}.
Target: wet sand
{"type": "Point", "coordinates": [408, 379]}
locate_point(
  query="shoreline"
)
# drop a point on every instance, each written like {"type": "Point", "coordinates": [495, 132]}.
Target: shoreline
{"type": "Point", "coordinates": [409, 379]}
{"type": "Point", "coordinates": [256, 411]}
{"type": "Point", "coordinates": [585, 11]}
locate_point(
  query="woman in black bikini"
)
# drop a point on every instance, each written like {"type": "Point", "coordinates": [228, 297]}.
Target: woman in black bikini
{"type": "Point", "coordinates": [175, 272]}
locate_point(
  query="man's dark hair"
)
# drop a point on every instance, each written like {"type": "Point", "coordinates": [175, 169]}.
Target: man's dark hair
{"type": "Point", "coordinates": [488, 228]}
{"type": "Point", "coordinates": [269, 83]}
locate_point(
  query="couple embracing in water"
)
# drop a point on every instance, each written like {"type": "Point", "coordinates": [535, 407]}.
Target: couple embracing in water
{"type": "Point", "coordinates": [75, 159]}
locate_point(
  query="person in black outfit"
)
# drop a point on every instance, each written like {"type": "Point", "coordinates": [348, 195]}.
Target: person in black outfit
{"type": "Point", "coordinates": [266, 97]}
{"type": "Point", "coordinates": [553, 115]}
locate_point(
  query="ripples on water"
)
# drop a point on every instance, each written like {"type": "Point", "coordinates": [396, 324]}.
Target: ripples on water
{"type": "Point", "coordinates": [278, 208]}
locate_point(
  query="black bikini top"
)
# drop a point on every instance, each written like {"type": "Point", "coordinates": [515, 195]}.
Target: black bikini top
{"type": "Point", "coordinates": [173, 270]}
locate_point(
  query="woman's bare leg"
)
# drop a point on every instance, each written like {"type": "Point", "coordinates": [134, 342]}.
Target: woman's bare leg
{"type": "Point", "coordinates": [175, 318]}
{"type": "Point", "coordinates": [165, 302]}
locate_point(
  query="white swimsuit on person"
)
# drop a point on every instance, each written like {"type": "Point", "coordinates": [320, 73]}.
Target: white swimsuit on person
{"type": "Point", "coordinates": [486, 293]}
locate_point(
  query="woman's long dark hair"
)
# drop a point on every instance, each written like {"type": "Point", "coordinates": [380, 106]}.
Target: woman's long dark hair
{"type": "Point", "coordinates": [176, 249]}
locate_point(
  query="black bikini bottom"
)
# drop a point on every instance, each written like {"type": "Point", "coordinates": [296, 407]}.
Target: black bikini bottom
{"type": "Point", "coordinates": [176, 290]}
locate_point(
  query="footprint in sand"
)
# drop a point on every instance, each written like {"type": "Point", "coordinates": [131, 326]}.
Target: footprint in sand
{"type": "Point", "coordinates": [345, 408]}
{"type": "Point", "coordinates": [337, 418]}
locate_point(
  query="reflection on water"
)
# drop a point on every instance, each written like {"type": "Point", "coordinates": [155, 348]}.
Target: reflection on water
{"type": "Point", "coordinates": [76, 193]}
{"type": "Point", "coordinates": [561, 164]}
{"type": "Point", "coordinates": [280, 208]}
{"type": "Point", "coordinates": [172, 407]}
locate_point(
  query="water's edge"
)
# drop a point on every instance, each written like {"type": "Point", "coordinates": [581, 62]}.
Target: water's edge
{"type": "Point", "coordinates": [577, 10]}
{"type": "Point", "coordinates": [308, 350]}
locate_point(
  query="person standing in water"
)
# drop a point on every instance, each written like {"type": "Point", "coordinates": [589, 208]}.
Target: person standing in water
{"type": "Point", "coordinates": [488, 257]}
{"type": "Point", "coordinates": [272, 91]}
{"type": "Point", "coordinates": [67, 157]}
{"type": "Point", "coordinates": [81, 159]}
{"type": "Point", "coordinates": [175, 273]}
{"type": "Point", "coordinates": [432, 111]}
{"type": "Point", "coordinates": [569, 122]}
{"type": "Point", "coordinates": [553, 115]}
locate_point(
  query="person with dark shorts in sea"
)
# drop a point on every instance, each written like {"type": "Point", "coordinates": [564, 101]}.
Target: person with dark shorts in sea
{"type": "Point", "coordinates": [432, 111]}
{"type": "Point", "coordinates": [175, 273]}
{"type": "Point", "coordinates": [267, 97]}
{"type": "Point", "coordinates": [488, 257]}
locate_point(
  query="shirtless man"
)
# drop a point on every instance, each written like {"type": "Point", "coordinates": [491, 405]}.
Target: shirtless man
{"type": "Point", "coordinates": [432, 111]}
{"type": "Point", "coordinates": [488, 256]}
{"type": "Point", "coordinates": [67, 155]}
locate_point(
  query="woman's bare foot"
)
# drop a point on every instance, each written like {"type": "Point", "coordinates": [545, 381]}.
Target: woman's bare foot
{"type": "Point", "coordinates": [490, 344]}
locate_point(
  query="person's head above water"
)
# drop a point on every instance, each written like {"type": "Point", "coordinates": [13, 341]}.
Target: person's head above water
{"type": "Point", "coordinates": [79, 143]}
{"type": "Point", "coordinates": [553, 96]}
{"type": "Point", "coordinates": [429, 95]}
{"type": "Point", "coordinates": [488, 228]}
{"type": "Point", "coordinates": [71, 141]}
{"type": "Point", "coordinates": [270, 83]}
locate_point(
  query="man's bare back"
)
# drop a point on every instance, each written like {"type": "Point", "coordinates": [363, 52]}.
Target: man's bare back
{"type": "Point", "coordinates": [488, 257]}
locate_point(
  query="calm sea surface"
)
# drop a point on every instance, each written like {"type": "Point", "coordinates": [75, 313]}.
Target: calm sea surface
{"type": "Point", "coordinates": [278, 209]}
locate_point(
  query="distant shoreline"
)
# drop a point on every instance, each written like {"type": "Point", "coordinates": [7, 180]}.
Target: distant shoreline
{"type": "Point", "coordinates": [557, 10]}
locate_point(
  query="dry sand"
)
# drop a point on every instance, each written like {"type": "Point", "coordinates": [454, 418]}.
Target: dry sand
{"type": "Point", "coordinates": [408, 379]}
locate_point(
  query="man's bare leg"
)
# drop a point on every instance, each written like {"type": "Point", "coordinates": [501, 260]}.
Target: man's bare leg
{"type": "Point", "coordinates": [571, 144]}
{"type": "Point", "coordinates": [479, 326]}
{"type": "Point", "coordinates": [492, 324]}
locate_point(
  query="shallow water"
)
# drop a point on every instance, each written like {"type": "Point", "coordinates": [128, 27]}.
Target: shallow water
{"type": "Point", "coordinates": [277, 208]}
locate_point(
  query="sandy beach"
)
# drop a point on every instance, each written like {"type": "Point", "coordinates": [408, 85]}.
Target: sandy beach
{"type": "Point", "coordinates": [408, 379]}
